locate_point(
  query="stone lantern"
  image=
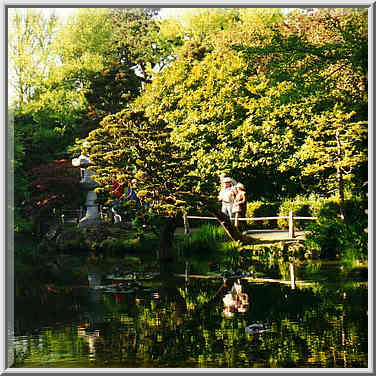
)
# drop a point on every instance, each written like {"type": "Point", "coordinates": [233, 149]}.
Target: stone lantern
{"type": "Point", "coordinates": [92, 216]}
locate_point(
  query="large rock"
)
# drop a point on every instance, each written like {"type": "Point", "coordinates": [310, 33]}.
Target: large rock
{"type": "Point", "coordinates": [68, 237]}
{"type": "Point", "coordinates": [96, 233]}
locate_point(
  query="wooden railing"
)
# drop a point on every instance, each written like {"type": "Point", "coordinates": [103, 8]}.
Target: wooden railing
{"type": "Point", "coordinates": [291, 219]}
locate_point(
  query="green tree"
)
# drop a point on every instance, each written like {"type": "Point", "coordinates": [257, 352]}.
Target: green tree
{"type": "Point", "coordinates": [30, 36]}
{"type": "Point", "coordinates": [322, 60]}
{"type": "Point", "coordinates": [253, 90]}
{"type": "Point", "coordinates": [204, 96]}
{"type": "Point", "coordinates": [77, 81]}
{"type": "Point", "coordinates": [132, 145]}
{"type": "Point", "coordinates": [134, 39]}
{"type": "Point", "coordinates": [334, 145]}
{"type": "Point", "coordinates": [91, 70]}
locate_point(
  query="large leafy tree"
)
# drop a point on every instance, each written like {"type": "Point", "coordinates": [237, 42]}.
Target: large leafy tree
{"type": "Point", "coordinates": [134, 40]}
{"type": "Point", "coordinates": [140, 148]}
{"type": "Point", "coordinates": [322, 60]}
{"type": "Point", "coordinates": [30, 37]}
{"type": "Point", "coordinates": [203, 97]}
{"type": "Point", "coordinates": [254, 91]}
{"type": "Point", "coordinates": [77, 81]}
{"type": "Point", "coordinates": [247, 99]}
{"type": "Point", "coordinates": [93, 68]}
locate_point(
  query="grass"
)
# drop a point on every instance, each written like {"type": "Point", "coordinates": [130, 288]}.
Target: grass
{"type": "Point", "coordinates": [204, 242]}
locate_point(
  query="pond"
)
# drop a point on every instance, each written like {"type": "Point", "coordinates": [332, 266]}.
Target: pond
{"type": "Point", "coordinates": [177, 323]}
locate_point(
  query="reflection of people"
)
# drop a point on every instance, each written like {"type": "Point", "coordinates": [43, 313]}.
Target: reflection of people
{"type": "Point", "coordinates": [229, 305]}
{"type": "Point", "coordinates": [239, 206]}
{"type": "Point", "coordinates": [235, 301]}
{"type": "Point", "coordinates": [242, 302]}
{"type": "Point", "coordinates": [226, 196]}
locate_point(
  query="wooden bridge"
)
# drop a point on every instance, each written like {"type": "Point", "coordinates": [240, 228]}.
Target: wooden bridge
{"type": "Point", "coordinates": [74, 216]}
{"type": "Point", "coordinates": [291, 220]}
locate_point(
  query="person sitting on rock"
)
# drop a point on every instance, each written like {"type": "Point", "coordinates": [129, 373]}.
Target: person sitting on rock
{"type": "Point", "coordinates": [131, 197]}
{"type": "Point", "coordinates": [117, 190]}
{"type": "Point", "coordinates": [131, 194]}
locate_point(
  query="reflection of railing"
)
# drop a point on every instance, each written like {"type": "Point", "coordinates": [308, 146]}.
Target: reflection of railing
{"type": "Point", "coordinates": [290, 218]}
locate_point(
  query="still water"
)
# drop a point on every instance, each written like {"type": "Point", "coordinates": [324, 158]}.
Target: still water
{"type": "Point", "coordinates": [154, 323]}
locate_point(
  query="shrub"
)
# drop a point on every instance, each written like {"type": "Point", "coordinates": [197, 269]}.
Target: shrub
{"type": "Point", "coordinates": [323, 237]}
{"type": "Point", "coordinates": [262, 209]}
{"type": "Point", "coordinates": [208, 243]}
{"type": "Point", "coordinates": [230, 254]}
{"type": "Point", "coordinates": [332, 238]}
{"type": "Point", "coordinates": [203, 242]}
{"type": "Point", "coordinates": [120, 247]}
{"type": "Point", "coordinates": [300, 206]}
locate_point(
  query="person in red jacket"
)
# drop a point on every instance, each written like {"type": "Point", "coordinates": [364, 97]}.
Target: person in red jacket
{"type": "Point", "coordinates": [117, 190]}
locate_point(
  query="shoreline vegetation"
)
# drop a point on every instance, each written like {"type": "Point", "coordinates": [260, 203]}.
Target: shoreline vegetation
{"type": "Point", "coordinates": [71, 253]}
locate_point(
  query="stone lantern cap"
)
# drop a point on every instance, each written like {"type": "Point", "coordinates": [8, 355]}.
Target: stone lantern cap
{"type": "Point", "coordinates": [82, 161]}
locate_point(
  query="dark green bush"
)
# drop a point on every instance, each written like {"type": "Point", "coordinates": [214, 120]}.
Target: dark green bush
{"type": "Point", "coordinates": [262, 209]}
{"type": "Point", "coordinates": [120, 247]}
{"type": "Point", "coordinates": [300, 206]}
{"type": "Point", "coordinates": [332, 238]}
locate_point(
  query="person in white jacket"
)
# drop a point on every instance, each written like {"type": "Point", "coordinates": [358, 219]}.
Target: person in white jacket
{"type": "Point", "coordinates": [226, 196]}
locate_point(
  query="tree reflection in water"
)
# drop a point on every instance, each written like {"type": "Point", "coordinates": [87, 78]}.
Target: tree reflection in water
{"type": "Point", "coordinates": [177, 324]}
{"type": "Point", "coordinates": [90, 336]}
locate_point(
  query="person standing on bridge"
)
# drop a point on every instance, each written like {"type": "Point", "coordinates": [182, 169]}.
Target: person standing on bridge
{"type": "Point", "coordinates": [226, 196]}
{"type": "Point", "coordinates": [239, 207]}
{"type": "Point", "coordinates": [222, 176]}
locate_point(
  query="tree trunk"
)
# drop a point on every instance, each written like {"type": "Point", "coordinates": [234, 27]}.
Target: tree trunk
{"type": "Point", "coordinates": [228, 226]}
{"type": "Point", "coordinates": [230, 229]}
{"type": "Point", "coordinates": [166, 241]}
{"type": "Point", "coordinates": [340, 180]}
{"type": "Point", "coordinates": [341, 195]}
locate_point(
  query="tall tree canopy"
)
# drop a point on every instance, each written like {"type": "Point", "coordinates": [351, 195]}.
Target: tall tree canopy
{"type": "Point", "coordinates": [68, 77]}
{"type": "Point", "coordinates": [30, 37]}
{"type": "Point", "coordinates": [247, 99]}
{"type": "Point", "coordinates": [278, 101]}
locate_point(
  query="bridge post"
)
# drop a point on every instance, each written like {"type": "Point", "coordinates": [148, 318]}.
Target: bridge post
{"type": "Point", "coordinates": [292, 274]}
{"type": "Point", "coordinates": [291, 226]}
{"type": "Point", "coordinates": [187, 230]}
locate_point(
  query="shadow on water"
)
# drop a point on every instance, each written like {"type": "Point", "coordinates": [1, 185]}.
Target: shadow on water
{"type": "Point", "coordinates": [144, 320]}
